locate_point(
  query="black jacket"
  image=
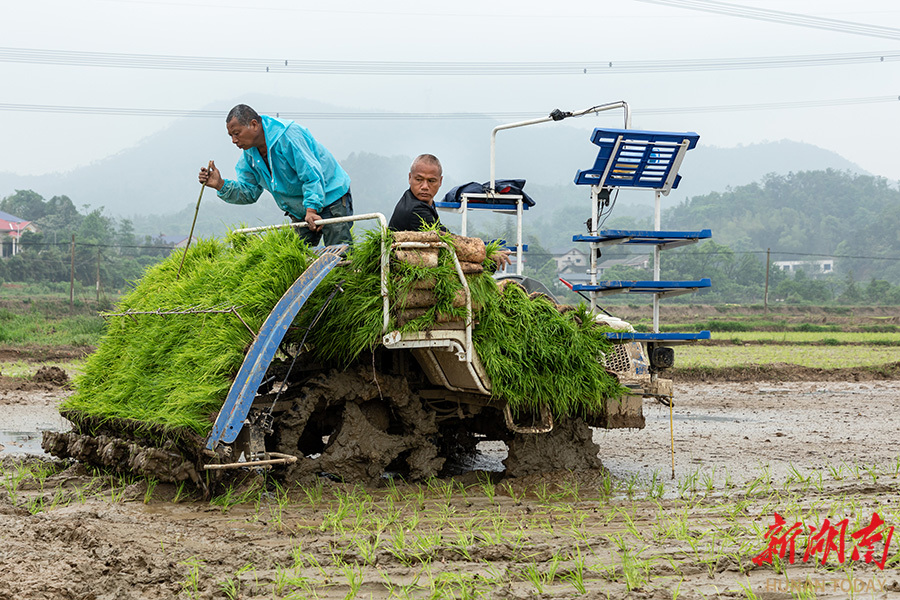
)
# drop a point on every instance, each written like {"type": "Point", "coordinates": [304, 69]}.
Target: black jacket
{"type": "Point", "coordinates": [411, 214]}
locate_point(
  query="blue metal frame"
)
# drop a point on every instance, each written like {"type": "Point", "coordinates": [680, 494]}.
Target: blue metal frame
{"type": "Point", "coordinates": [244, 388]}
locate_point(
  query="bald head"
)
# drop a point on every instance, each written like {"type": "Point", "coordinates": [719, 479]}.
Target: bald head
{"type": "Point", "coordinates": [428, 159]}
{"type": "Point", "coordinates": [425, 177]}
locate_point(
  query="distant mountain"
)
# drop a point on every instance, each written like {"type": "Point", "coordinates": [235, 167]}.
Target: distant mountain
{"type": "Point", "coordinates": [155, 180]}
{"type": "Point", "coordinates": [712, 169]}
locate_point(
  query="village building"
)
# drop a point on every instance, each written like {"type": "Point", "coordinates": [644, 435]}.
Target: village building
{"type": "Point", "coordinates": [11, 230]}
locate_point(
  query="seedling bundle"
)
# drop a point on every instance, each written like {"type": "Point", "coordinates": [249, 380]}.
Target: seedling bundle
{"type": "Point", "coordinates": [170, 353]}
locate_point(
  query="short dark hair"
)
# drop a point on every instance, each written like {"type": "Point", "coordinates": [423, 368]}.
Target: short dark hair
{"type": "Point", "coordinates": [244, 114]}
{"type": "Point", "coordinates": [427, 158]}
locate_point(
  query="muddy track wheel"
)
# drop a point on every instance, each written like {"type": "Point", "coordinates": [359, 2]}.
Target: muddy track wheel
{"type": "Point", "coordinates": [569, 447]}
{"type": "Point", "coordinates": [354, 427]}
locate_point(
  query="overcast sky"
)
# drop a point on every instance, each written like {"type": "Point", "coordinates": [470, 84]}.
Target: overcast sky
{"type": "Point", "coordinates": [849, 105]}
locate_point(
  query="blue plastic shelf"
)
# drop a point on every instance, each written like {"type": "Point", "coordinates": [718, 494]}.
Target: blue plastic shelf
{"type": "Point", "coordinates": [666, 239]}
{"type": "Point", "coordinates": [670, 288]}
{"type": "Point", "coordinates": [480, 206]}
{"type": "Point", "coordinates": [637, 159]}
{"type": "Point", "coordinates": [674, 338]}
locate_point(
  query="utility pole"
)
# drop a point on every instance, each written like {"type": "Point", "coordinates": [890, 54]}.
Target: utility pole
{"type": "Point", "coordinates": [72, 278]}
{"type": "Point", "coordinates": [98, 275]}
{"type": "Point", "coordinates": [766, 297]}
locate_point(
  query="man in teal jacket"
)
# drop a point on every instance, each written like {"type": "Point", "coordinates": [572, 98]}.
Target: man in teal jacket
{"type": "Point", "coordinates": [280, 156]}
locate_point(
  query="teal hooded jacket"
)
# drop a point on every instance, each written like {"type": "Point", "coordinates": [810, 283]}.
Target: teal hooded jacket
{"type": "Point", "coordinates": [304, 173]}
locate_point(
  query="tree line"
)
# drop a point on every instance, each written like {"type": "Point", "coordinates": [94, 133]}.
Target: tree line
{"type": "Point", "coordinates": [73, 247]}
{"type": "Point", "coordinates": [852, 218]}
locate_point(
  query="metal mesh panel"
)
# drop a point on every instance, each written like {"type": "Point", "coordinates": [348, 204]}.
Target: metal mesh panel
{"type": "Point", "coordinates": [618, 361]}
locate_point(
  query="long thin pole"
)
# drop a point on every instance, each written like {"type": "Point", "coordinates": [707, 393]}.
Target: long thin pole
{"type": "Point", "coordinates": [72, 278]}
{"type": "Point", "coordinates": [766, 297]}
{"type": "Point", "coordinates": [193, 223]}
{"type": "Point", "coordinates": [672, 431]}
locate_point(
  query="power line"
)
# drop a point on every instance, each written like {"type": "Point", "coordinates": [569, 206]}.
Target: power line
{"type": "Point", "coordinates": [406, 116]}
{"type": "Point", "coordinates": [781, 17]}
{"type": "Point", "coordinates": [492, 68]}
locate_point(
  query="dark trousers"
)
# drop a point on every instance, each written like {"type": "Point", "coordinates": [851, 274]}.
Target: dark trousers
{"type": "Point", "coordinates": [333, 233]}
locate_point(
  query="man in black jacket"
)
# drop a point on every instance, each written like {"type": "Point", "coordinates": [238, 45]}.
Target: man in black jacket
{"type": "Point", "coordinates": [416, 210]}
{"type": "Point", "coordinates": [416, 207]}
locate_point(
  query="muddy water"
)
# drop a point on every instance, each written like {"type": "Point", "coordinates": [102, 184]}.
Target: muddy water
{"type": "Point", "coordinates": [21, 427]}
{"type": "Point", "coordinates": [738, 430]}
{"type": "Point", "coordinates": [24, 414]}
{"type": "Point", "coordinates": [722, 431]}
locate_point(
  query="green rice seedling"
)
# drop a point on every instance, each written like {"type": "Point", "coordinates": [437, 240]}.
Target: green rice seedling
{"type": "Point", "coordinates": [445, 513]}
{"type": "Point", "coordinates": [354, 576]}
{"type": "Point", "coordinates": [39, 472]}
{"type": "Point", "coordinates": [570, 489]}
{"type": "Point", "coordinates": [179, 492]}
{"type": "Point", "coordinates": [412, 521]}
{"type": "Point", "coordinates": [117, 492]}
{"type": "Point", "coordinates": [417, 496]}
{"type": "Point", "coordinates": [281, 580]}
{"type": "Point", "coordinates": [535, 577]}
{"type": "Point", "coordinates": [728, 484]}
{"type": "Point", "coordinates": [314, 493]}
{"type": "Point", "coordinates": [511, 492]}
{"type": "Point", "coordinates": [630, 526]}
{"type": "Point", "coordinates": [542, 493]}
{"type": "Point", "coordinates": [231, 587]}
{"type": "Point", "coordinates": [398, 545]}
{"type": "Point", "coordinates": [487, 486]}
{"type": "Point", "coordinates": [367, 547]}
{"type": "Point", "coordinates": [747, 588]}
{"type": "Point", "coordinates": [12, 478]}
{"type": "Point", "coordinates": [231, 497]}
{"type": "Point", "coordinates": [709, 481]}
{"type": "Point", "coordinates": [191, 583]}
{"type": "Point", "coordinates": [606, 487]}
{"type": "Point", "coordinates": [755, 487]}
{"type": "Point", "coordinates": [394, 493]}
{"type": "Point", "coordinates": [425, 543]}
{"type": "Point", "coordinates": [575, 574]}
{"type": "Point", "coordinates": [337, 555]}
{"type": "Point", "coordinates": [465, 539]}
{"type": "Point", "coordinates": [656, 489]}
{"type": "Point", "coordinates": [635, 569]}
{"type": "Point", "coordinates": [872, 470]}
{"type": "Point", "coordinates": [148, 490]}
{"type": "Point", "coordinates": [441, 488]}
{"type": "Point", "coordinates": [39, 504]}
{"type": "Point", "coordinates": [817, 480]}
{"type": "Point", "coordinates": [528, 375]}
{"type": "Point", "coordinates": [631, 485]}
{"type": "Point", "coordinates": [687, 486]}
{"type": "Point", "coordinates": [836, 471]}
{"type": "Point", "coordinates": [173, 371]}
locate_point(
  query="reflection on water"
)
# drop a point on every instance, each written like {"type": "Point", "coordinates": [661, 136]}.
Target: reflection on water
{"type": "Point", "coordinates": [21, 442]}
